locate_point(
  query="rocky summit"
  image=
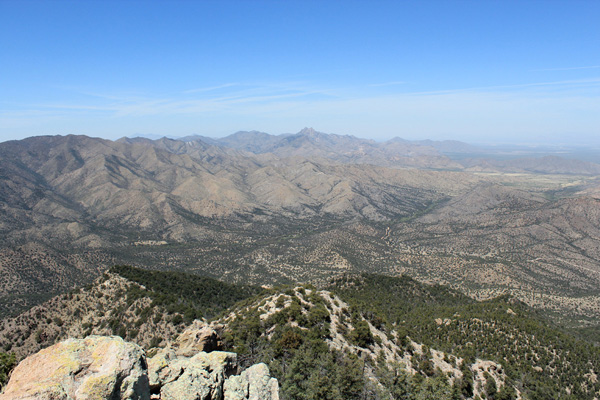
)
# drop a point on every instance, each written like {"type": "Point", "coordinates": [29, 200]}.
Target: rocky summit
{"type": "Point", "coordinates": [97, 367]}
{"type": "Point", "coordinates": [107, 367]}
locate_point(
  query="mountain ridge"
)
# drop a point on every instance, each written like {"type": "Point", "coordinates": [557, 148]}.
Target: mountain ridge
{"type": "Point", "coordinates": [190, 205]}
{"type": "Point", "coordinates": [297, 330]}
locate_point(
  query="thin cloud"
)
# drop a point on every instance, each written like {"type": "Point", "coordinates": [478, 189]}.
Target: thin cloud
{"type": "Point", "coordinates": [393, 83]}
{"type": "Point", "coordinates": [173, 105]}
{"type": "Point", "coordinates": [567, 68]}
{"type": "Point", "coordinates": [130, 105]}
{"type": "Point", "coordinates": [269, 96]}
{"type": "Point", "coordinates": [127, 96]}
{"type": "Point", "coordinates": [266, 98]}
{"type": "Point", "coordinates": [576, 82]}
{"type": "Point", "coordinates": [211, 88]}
{"type": "Point", "coordinates": [75, 107]}
{"type": "Point", "coordinates": [497, 110]}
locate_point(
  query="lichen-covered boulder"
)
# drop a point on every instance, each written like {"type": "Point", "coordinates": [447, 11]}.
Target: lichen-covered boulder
{"type": "Point", "coordinates": [198, 377]}
{"type": "Point", "coordinates": [193, 384]}
{"type": "Point", "coordinates": [97, 367]}
{"type": "Point", "coordinates": [255, 383]}
{"type": "Point", "coordinates": [221, 363]}
{"type": "Point", "coordinates": [197, 338]}
{"type": "Point", "coordinates": [163, 368]}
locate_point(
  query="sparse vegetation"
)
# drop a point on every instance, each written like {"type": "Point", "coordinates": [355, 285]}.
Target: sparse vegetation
{"type": "Point", "coordinates": [188, 296]}
{"type": "Point", "coordinates": [135, 304]}
{"type": "Point", "coordinates": [512, 240]}
{"type": "Point", "coordinates": [7, 363]}
{"type": "Point", "coordinates": [322, 346]}
{"type": "Point", "coordinates": [536, 357]}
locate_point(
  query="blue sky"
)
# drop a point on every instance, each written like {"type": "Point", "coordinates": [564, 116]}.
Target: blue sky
{"type": "Point", "coordinates": [478, 71]}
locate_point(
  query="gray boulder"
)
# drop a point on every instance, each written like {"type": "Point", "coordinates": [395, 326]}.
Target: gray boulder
{"type": "Point", "coordinates": [108, 368]}
{"type": "Point", "coordinates": [255, 383]}
{"type": "Point", "coordinates": [199, 377]}
{"type": "Point", "coordinates": [97, 367]}
{"type": "Point", "coordinates": [198, 337]}
{"type": "Point", "coordinates": [163, 368]}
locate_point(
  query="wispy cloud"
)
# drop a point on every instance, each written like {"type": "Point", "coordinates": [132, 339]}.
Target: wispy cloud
{"type": "Point", "coordinates": [393, 83]}
{"type": "Point", "coordinates": [273, 94]}
{"type": "Point", "coordinates": [211, 88]}
{"type": "Point", "coordinates": [199, 100]}
{"type": "Point", "coordinates": [568, 68]}
{"type": "Point", "coordinates": [546, 107]}
{"type": "Point", "coordinates": [575, 83]}
{"type": "Point", "coordinates": [67, 106]}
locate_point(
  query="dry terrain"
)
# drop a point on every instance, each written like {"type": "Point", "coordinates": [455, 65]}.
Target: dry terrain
{"type": "Point", "coordinates": [297, 208]}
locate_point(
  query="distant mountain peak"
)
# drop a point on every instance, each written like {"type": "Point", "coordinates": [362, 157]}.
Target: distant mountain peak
{"type": "Point", "coordinates": [308, 132]}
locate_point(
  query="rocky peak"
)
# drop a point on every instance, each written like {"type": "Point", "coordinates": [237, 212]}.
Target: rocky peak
{"type": "Point", "coordinates": [308, 131]}
{"type": "Point", "coordinates": [196, 338]}
{"type": "Point", "coordinates": [102, 367]}
{"type": "Point", "coordinates": [97, 367]}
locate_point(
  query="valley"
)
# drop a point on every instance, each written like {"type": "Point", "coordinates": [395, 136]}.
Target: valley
{"type": "Point", "coordinates": [74, 206]}
{"type": "Point", "coordinates": [326, 212]}
{"type": "Point", "coordinates": [297, 200]}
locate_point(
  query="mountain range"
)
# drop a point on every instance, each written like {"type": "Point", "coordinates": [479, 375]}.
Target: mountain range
{"type": "Point", "coordinates": [352, 268]}
{"type": "Point", "coordinates": [270, 209]}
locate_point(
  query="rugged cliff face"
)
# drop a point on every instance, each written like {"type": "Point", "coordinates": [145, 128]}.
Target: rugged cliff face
{"type": "Point", "coordinates": [107, 367]}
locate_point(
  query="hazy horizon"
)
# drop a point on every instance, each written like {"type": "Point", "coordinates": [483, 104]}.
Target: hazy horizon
{"type": "Point", "coordinates": [478, 72]}
{"type": "Point", "coordinates": [586, 151]}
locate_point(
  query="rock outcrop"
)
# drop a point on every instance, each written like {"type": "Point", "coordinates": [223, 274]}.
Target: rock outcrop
{"type": "Point", "coordinates": [199, 377]}
{"type": "Point", "coordinates": [100, 367]}
{"type": "Point", "coordinates": [208, 376]}
{"type": "Point", "coordinates": [198, 337]}
{"type": "Point", "coordinates": [255, 383]}
{"type": "Point", "coordinates": [97, 367]}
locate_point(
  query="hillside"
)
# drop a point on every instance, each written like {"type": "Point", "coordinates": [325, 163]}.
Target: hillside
{"type": "Point", "coordinates": [363, 335]}
{"type": "Point", "coordinates": [502, 240]}
{"type": "Point", "coordinates": [401, 153]}
{"type": "Point", "coordinates": [94, 192]}
{"type": "Point", "coordinates": [342, 149]}
{"type": "Point", "coordinates": [85, 203]}
{"type": "Point", "coordinates": [72, 206]}
{"type": "Point", "coordinates": [147, 307]}
{"type": "Point", "coordinates": [542, 361]}
{"type": "Point", "coordinates": [429, 331]}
